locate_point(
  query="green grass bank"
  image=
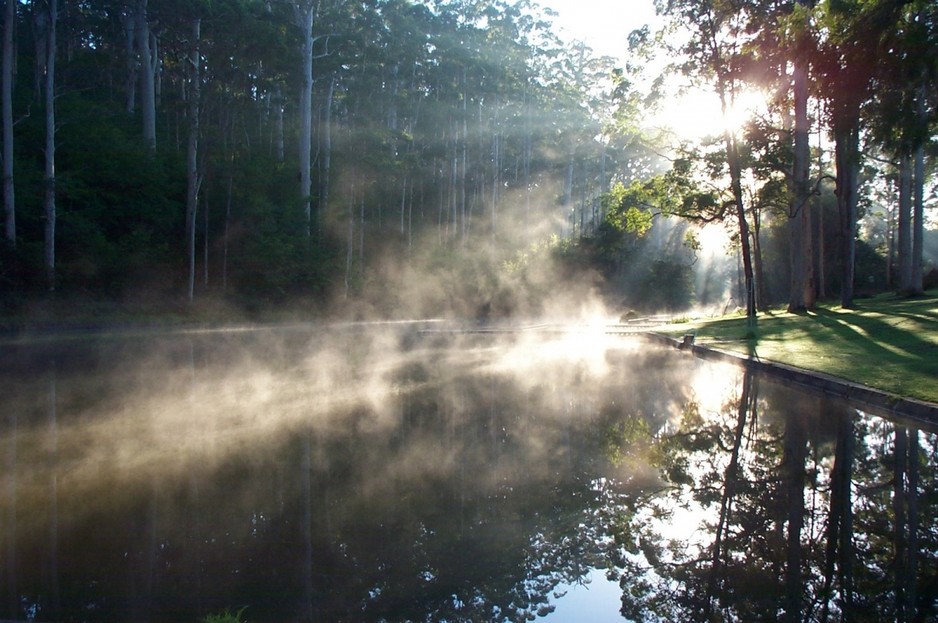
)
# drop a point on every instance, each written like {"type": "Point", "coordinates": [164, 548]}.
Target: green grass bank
{"type": "Point", "coordinates": [888, 343]}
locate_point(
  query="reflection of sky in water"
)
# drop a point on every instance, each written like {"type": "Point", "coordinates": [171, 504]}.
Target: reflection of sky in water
{"type": "Point", "coordinates": [594, 600]}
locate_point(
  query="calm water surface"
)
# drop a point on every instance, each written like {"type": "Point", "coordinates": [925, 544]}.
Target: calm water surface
{"type": "Point", "coordinates": [393, 474]}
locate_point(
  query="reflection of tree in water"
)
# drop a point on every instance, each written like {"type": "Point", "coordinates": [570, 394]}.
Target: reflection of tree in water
{"type": "Point", "coordinates": [521, 490]}
{"type": "Point", "coordinates": [460, 491]}
{"type": "Point", "coordinates": [464, 481]}
{"type": "Point", "coordinates": [764, 513]}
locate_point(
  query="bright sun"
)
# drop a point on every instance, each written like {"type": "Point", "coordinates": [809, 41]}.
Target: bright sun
{"type": "Point", "coordinates": [697, 113]}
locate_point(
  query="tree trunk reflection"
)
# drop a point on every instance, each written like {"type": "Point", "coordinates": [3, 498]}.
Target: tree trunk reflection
{"type": "Point", "coordinates": [839, 535]}
{"type": "Point", "coordinates": [793, 470]}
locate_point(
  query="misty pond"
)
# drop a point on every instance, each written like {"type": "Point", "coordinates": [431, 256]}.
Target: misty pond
{"type": "Point", "coordinates": [408, 473]}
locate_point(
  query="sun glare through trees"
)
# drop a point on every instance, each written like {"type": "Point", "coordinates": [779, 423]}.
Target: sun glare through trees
{"type": "Point", "coordinates": [464, 159]}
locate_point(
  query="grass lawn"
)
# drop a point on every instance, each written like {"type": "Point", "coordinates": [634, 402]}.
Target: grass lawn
{"type": "Point", "coordinates": [886, 342]}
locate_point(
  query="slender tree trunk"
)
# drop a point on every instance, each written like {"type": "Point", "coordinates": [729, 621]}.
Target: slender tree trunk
{"type": "Point", "coordinates": [129, 24]}
{"type": "Point", "coordinates": [847, 157]}
{"type": "Point", "coordinates": [890, 246]}
{"type": "Point", "coordinates": [732, 154]}
{"type": "Point", "coordinates": [918, 221]}
{"type": "Point", "coordinates": [206, 241]}
{"type": "Point", "coordinates": [193, 178]}
{"type": "Point", "coordinates": [819, 250]}
{"type": "Point", "coordinates": [410, 218]}
{"type": "Point", "coordinates": [900, 543]}
{"type": "Point", "coordinates": [403, 205]}
{"type": "Point", "coordinates": [361, 233]}
{"type": "Point", "coordinates": [157, 70]}
{"type": "Point", "coordinates": [304, 20]}
{"type": "Point", "coordinates": [795, 455]}
{"type": "Point", "coordinates": [441, 220]}
{"type": "Point", "coordinates": [49, 181]}
{"type": "Point", "coordinates": [464, 160]}
{"type": "Point", "coordinates": [912, 468]}
{"type": "Point", "coordinates": [454, 185]}
{"type": "Point", "coordinates": [278, 123]}
{"type": "Point", "coordinates": [762, 295]}
{"type": "Point", "coordinates": [904, 225]}
{"type": "Point", "coordinates": [527, 150]}
{"type": "Point", "coordinates": [820, 266]}
{"type": "Point", "coordinates": [325, 182]}
{"type": "Point", "coordinates": [496, 178]}
{"type": "Point", "coordinates": [224, 257]}
{"type": "Point", "coordinates": [350, 246]}
{"type": "Point", "coordinates": [839, 537]}
{"type": "Point", "coordinates": [6, 92]}
{"type": "Point", "coordinates": [802, 291]}
{"type": "Point", "coordinates": [147, 66]}
{"type": "Point", "coordinates": [731, 479]}
{"type": "Point", "coordinates": [845, 456]}
{"type": "Point", "coordinates": [567, 204]}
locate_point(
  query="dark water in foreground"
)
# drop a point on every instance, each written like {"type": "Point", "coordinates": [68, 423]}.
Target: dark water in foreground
{"type": "Point", "coordinates": [383, 474]}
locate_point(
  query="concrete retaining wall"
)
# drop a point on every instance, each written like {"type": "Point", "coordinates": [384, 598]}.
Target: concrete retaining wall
{"type": "Point", "coordinates": [916, 413]}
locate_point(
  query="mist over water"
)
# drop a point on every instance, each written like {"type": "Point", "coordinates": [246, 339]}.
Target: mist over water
{"type": "Point", "coordinates": [392, 472]}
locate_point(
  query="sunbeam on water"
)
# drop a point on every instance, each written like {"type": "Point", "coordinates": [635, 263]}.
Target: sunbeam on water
{"type": "Point", "coordinates": [411, 471]}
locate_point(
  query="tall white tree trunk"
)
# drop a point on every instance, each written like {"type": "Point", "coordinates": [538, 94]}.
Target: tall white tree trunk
{"type": "Point", "coordinates": [904, 225]}
{"type": "Point", "coordinates": [350, 248]}
{"type": "Point", "coordinates": [496, 179]}
{"type": "Point", "coordinates": [147, 67]}
{"type": "Point", "coordinates": [193, 178]}
{"type": "Point", "coordinates": [224, 254]}
{"type": "Point", "coordinates": [802, 292]}
{"type": "Point", "coordinates": [278, 123]}
{"type": "Point", "coordinates": [847, 156]}
{"type": "Point", "coordinates": [464, 162]}
{"type": "Point", "coordinates": [325, 177]}
{"type": "Point", "coordinates": [918, 220]}
{"type": "Point", "coordinates": [6, 92]}
{"type": "Point", "coordinates": [745, 240]}
{"type": "Point", "coordinates": [918, 201]}
{"type": "Point", "coordinates": [49, 194]}
{"type": "Point", "coordinates": [129, 24]}
{"type": "Point", "coordinates": [304, 20]}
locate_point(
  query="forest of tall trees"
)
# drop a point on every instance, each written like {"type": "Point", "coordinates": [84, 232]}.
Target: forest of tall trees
{"type": "Point", "coordinates": [457, 154]}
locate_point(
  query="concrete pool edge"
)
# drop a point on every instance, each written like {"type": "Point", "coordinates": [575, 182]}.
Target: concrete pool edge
{"type": "Point", "coordinates": [922, 413]}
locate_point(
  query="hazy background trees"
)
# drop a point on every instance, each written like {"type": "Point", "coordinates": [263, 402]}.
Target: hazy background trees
{"type": "Point", "coordinates": [459, 155]}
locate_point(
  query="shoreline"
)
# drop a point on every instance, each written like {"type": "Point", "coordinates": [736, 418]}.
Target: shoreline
{"type": "Point", "coordinates": [921, 413]}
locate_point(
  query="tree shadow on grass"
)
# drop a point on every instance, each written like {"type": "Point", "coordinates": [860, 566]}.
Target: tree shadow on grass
{"type": "Point", "coordinates": [879, 339]}
{"type": "Point", "coordinates": [928, 317]}
{"type": "Point", "coordinates": [923, 308]}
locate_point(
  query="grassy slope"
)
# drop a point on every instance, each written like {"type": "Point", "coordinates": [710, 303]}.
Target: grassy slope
{"type": "Point", "coordinates": [886, 342]}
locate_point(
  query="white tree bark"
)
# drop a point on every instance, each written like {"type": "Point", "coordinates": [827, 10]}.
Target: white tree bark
{"type": "Point", "coordinates": [6, 92]}
{"type": "Point", "coordinates": [278, 123]}
{"type": "Point", "coordinates": [147, 73]}
{"type": "Point", "coordinates": [325, 177]}
{"type": "Point", "coordinates": [49, 194]}
{"type": "Point", "coordinates": [918, 202]}
{"type": "Point", "coordinates": [129, 24]}
{"type": "Point", "coordinates": [802, 293]}
{"type": "Point", "coordinates": [193, 178]}
{"type": "Point", "coordinates": [304, 20]}
{"type": "Point", "coordinates": [904, 225]}
{"type": "Point", "coordinates": [847, 155]}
